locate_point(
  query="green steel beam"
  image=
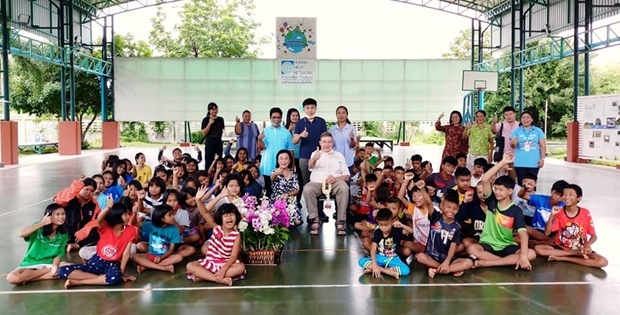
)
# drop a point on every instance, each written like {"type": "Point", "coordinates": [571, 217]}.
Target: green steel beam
{"type": "Point", "coordinates": [84, 6]}
{"type": "Point", "coordinates": [504, 7]}
{"type": "Point", "coordinates": [46, 52]}
{"type": "Point", "coordinates": [556, 48]}
{"type": "Point", "coordinates": [121, 6]}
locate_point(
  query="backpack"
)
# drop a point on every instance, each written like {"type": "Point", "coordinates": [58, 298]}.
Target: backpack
{"type": "Point", "coordinates": [500, 140]}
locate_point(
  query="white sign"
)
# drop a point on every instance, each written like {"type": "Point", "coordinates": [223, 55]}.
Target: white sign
{"type": "Point", "coordinates": [295, 38]}
{"type": "Point", "coordinates": [295, 71]}
{"type": "Point", "coordinates": [599, 127]}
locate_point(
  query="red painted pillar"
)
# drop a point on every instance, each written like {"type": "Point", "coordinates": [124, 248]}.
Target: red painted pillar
{"type": "Point", "coordinates": [69, 138]}
{"type": "Point", "coordinates": [9, 153]}
{"type": "Point", "coordinates": [110, 135]}
{"type": "Point", "coordinates": [572, 142]}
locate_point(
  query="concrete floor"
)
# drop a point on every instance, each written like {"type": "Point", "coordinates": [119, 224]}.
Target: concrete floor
{"type": "Point", "coordinates": [318, 275]}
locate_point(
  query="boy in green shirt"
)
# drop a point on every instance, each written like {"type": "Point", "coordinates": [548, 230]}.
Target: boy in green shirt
{"type": "Point", "coordinates": [497, 246]}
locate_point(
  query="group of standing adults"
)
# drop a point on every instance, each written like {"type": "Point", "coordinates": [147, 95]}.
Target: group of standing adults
{"type": "Point", "coordinates": [299, 135]}
{"type": "Point", "coordinates": [491, 141]}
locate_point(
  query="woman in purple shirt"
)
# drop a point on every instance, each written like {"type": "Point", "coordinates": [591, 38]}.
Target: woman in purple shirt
{"type": "Point", "coordinates": [247, 134]}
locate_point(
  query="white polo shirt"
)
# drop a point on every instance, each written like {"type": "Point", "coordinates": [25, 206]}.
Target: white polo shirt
{"type": "Point", "coordinates": [330, 163]}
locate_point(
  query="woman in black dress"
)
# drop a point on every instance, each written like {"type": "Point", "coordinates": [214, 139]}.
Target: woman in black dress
{"type": "Point", "coordinates": [212, 128]}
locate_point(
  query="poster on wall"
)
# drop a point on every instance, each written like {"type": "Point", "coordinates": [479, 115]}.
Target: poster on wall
{"type": "Point", "coordinates": [295, 38]}
{"type": "Point", "coordinates": [599, 127]}
{"type": "Point", "coordinates": [295, 71]}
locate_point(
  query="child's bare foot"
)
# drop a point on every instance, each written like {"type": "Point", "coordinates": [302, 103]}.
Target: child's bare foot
{"type": "Point", "coordinates": [367, 270]}
{"type": "Point", "coordinates": [72, 247]}
{"type": "Point", "coordinates": [431, 272]}
{"type": "Point", "coordinates": [140, 269]}
{"type": "Point", "coordinates": [393, 272]}
{"type": "Point", "coordinates": [171, 268]}
{"type": "Point", "coordinates": [68, 284]}
{"type": "Point", "coordinates": [227, 281]}
{"type": "Point", "coordinates": [458, 274]}
{"type": "Point", "coordinates": [479, 263]}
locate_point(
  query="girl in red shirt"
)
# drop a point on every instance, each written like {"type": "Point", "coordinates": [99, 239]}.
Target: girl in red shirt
{"type": "Point", "coordinates": [107, 266]}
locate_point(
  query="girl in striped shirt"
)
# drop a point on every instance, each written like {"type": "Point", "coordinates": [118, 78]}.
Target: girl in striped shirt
{"type": "Point", "coordinates": [220, 263]}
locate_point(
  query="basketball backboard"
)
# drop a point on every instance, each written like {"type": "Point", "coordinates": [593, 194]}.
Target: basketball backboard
{"type": "Point", "coordinates": [479, 81]}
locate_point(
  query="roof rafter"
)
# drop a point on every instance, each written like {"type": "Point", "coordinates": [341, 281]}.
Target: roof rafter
{"type": "Point", "coordinates": [471, 9]}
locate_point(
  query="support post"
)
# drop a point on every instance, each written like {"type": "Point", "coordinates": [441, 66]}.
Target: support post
{"type": "Point", "coordinates": [104, 83]}
{"type": "Point", "coordinates": [513, 43]}
{"type": "Point", "coordinates": [588, 40]}
{"type": "Point", "coordinates": [5, 61]}
{"type": "Point", "coordinates": [480, 59]}
{"type": "Point", "coordinates": [71, 62]}
{"type": "Point", "coordinates": [521, 56]}
{"type": "Point", "coordinates": [473, 43]}
{"type": "Point", "coordinates": [572, 128]}
{"type": "Point", "coordinates": [61, 44]}
{"type": "Point", "coordinates": [112, 52]}
{"type": "Point", "coordinates": [575, 57]}
{"type": "Point", "coordinates": [9, 152]}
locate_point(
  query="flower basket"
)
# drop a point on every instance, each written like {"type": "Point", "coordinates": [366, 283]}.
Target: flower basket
{"type": "Point", "coordinates": [262, 257]}
{"type": "Point", "coordinates": [264, 229]}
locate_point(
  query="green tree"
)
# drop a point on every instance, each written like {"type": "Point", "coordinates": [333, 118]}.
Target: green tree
{"type": "Point", "coordinates": [127, 46]}
{"type": "Point", "coordinates": [460, 48]}
{"type": "Point", "coordinates": [36, 88]}
{"type": "Point", "coordinates": [550, 82]}
{"type": "Point", "coordinates": [209, 29]}
{"type": "Point", "coordinates": [606, 79]}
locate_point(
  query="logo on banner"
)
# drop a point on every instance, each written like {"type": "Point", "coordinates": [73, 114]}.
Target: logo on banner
{"type": "Point", "coordinates": [297, 71]}
{"type": "Point", "coordinates": [287, 67]}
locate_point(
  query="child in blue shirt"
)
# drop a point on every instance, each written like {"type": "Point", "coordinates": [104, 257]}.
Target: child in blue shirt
{"type": "Point", "coordinates": [543, 204]}
{"type": "Point", "coordinates": [443, 238]}
{"type": "Point", "coordinates": [161, 235]}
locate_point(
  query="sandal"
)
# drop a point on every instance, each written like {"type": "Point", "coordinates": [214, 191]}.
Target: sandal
{"type": "Point", "coordinates": [341, 228]}
{"type": "Point", "coordinates": [314, 227]}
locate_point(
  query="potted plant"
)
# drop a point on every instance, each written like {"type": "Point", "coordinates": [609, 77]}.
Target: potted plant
{"type": "Point", "coordinates": [264, 228]}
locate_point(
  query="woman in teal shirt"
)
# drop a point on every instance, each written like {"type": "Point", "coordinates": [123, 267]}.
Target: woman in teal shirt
{"type": "Point", "coordinates": [530, 147]}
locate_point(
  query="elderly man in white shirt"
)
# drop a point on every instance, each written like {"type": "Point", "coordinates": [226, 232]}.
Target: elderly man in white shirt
{"type": "Point", "coordinates": [329, 166]}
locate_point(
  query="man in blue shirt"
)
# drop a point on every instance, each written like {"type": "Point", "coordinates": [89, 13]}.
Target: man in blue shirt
{"type": "Point", "coordinates": [273, 139]}
{"type": "Point", "coordinates": [308, 133]}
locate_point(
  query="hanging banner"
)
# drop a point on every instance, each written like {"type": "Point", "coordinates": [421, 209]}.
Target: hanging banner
{"type": "Point", "coordinates": [599, 127]}
{"type": "Point", "coordinates": [296, 71]}
{"type": "Point", "coordinates": [295, 38]}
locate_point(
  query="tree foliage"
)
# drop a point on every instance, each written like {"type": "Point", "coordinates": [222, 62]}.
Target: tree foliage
{"type": "Point", "coordinates": [208, 29]}
{"type": "Point", "coordinates": [36, 90]}
{"type": "Point", "coordinates": [550, 82]}
{"type": "Point", "coordinates": [461, 46]}
{"type": "Point", "coordinates": [36, 87]}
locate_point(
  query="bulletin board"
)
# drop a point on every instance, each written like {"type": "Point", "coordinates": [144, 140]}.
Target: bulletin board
{"type": "Point", "coordinates": [599, 127]}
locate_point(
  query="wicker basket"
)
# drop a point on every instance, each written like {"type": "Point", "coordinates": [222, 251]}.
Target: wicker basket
{"type": "Point", "coordinates": [262, 257]}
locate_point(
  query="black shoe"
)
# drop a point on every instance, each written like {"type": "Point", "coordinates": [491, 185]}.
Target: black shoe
{"type": "Point", "coordinates": [323, 217]}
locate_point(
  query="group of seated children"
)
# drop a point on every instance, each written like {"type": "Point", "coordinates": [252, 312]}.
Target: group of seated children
{"type": "Point", "coordinates": [451, 225]}
{"type": "Point", "coordinates": [112, 220]}
{"type": "Point", "coordinates": [450, 221]}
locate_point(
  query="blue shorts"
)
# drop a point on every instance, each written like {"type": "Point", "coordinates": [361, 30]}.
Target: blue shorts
{"type": "Point", "coordinates": [96, 266]}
